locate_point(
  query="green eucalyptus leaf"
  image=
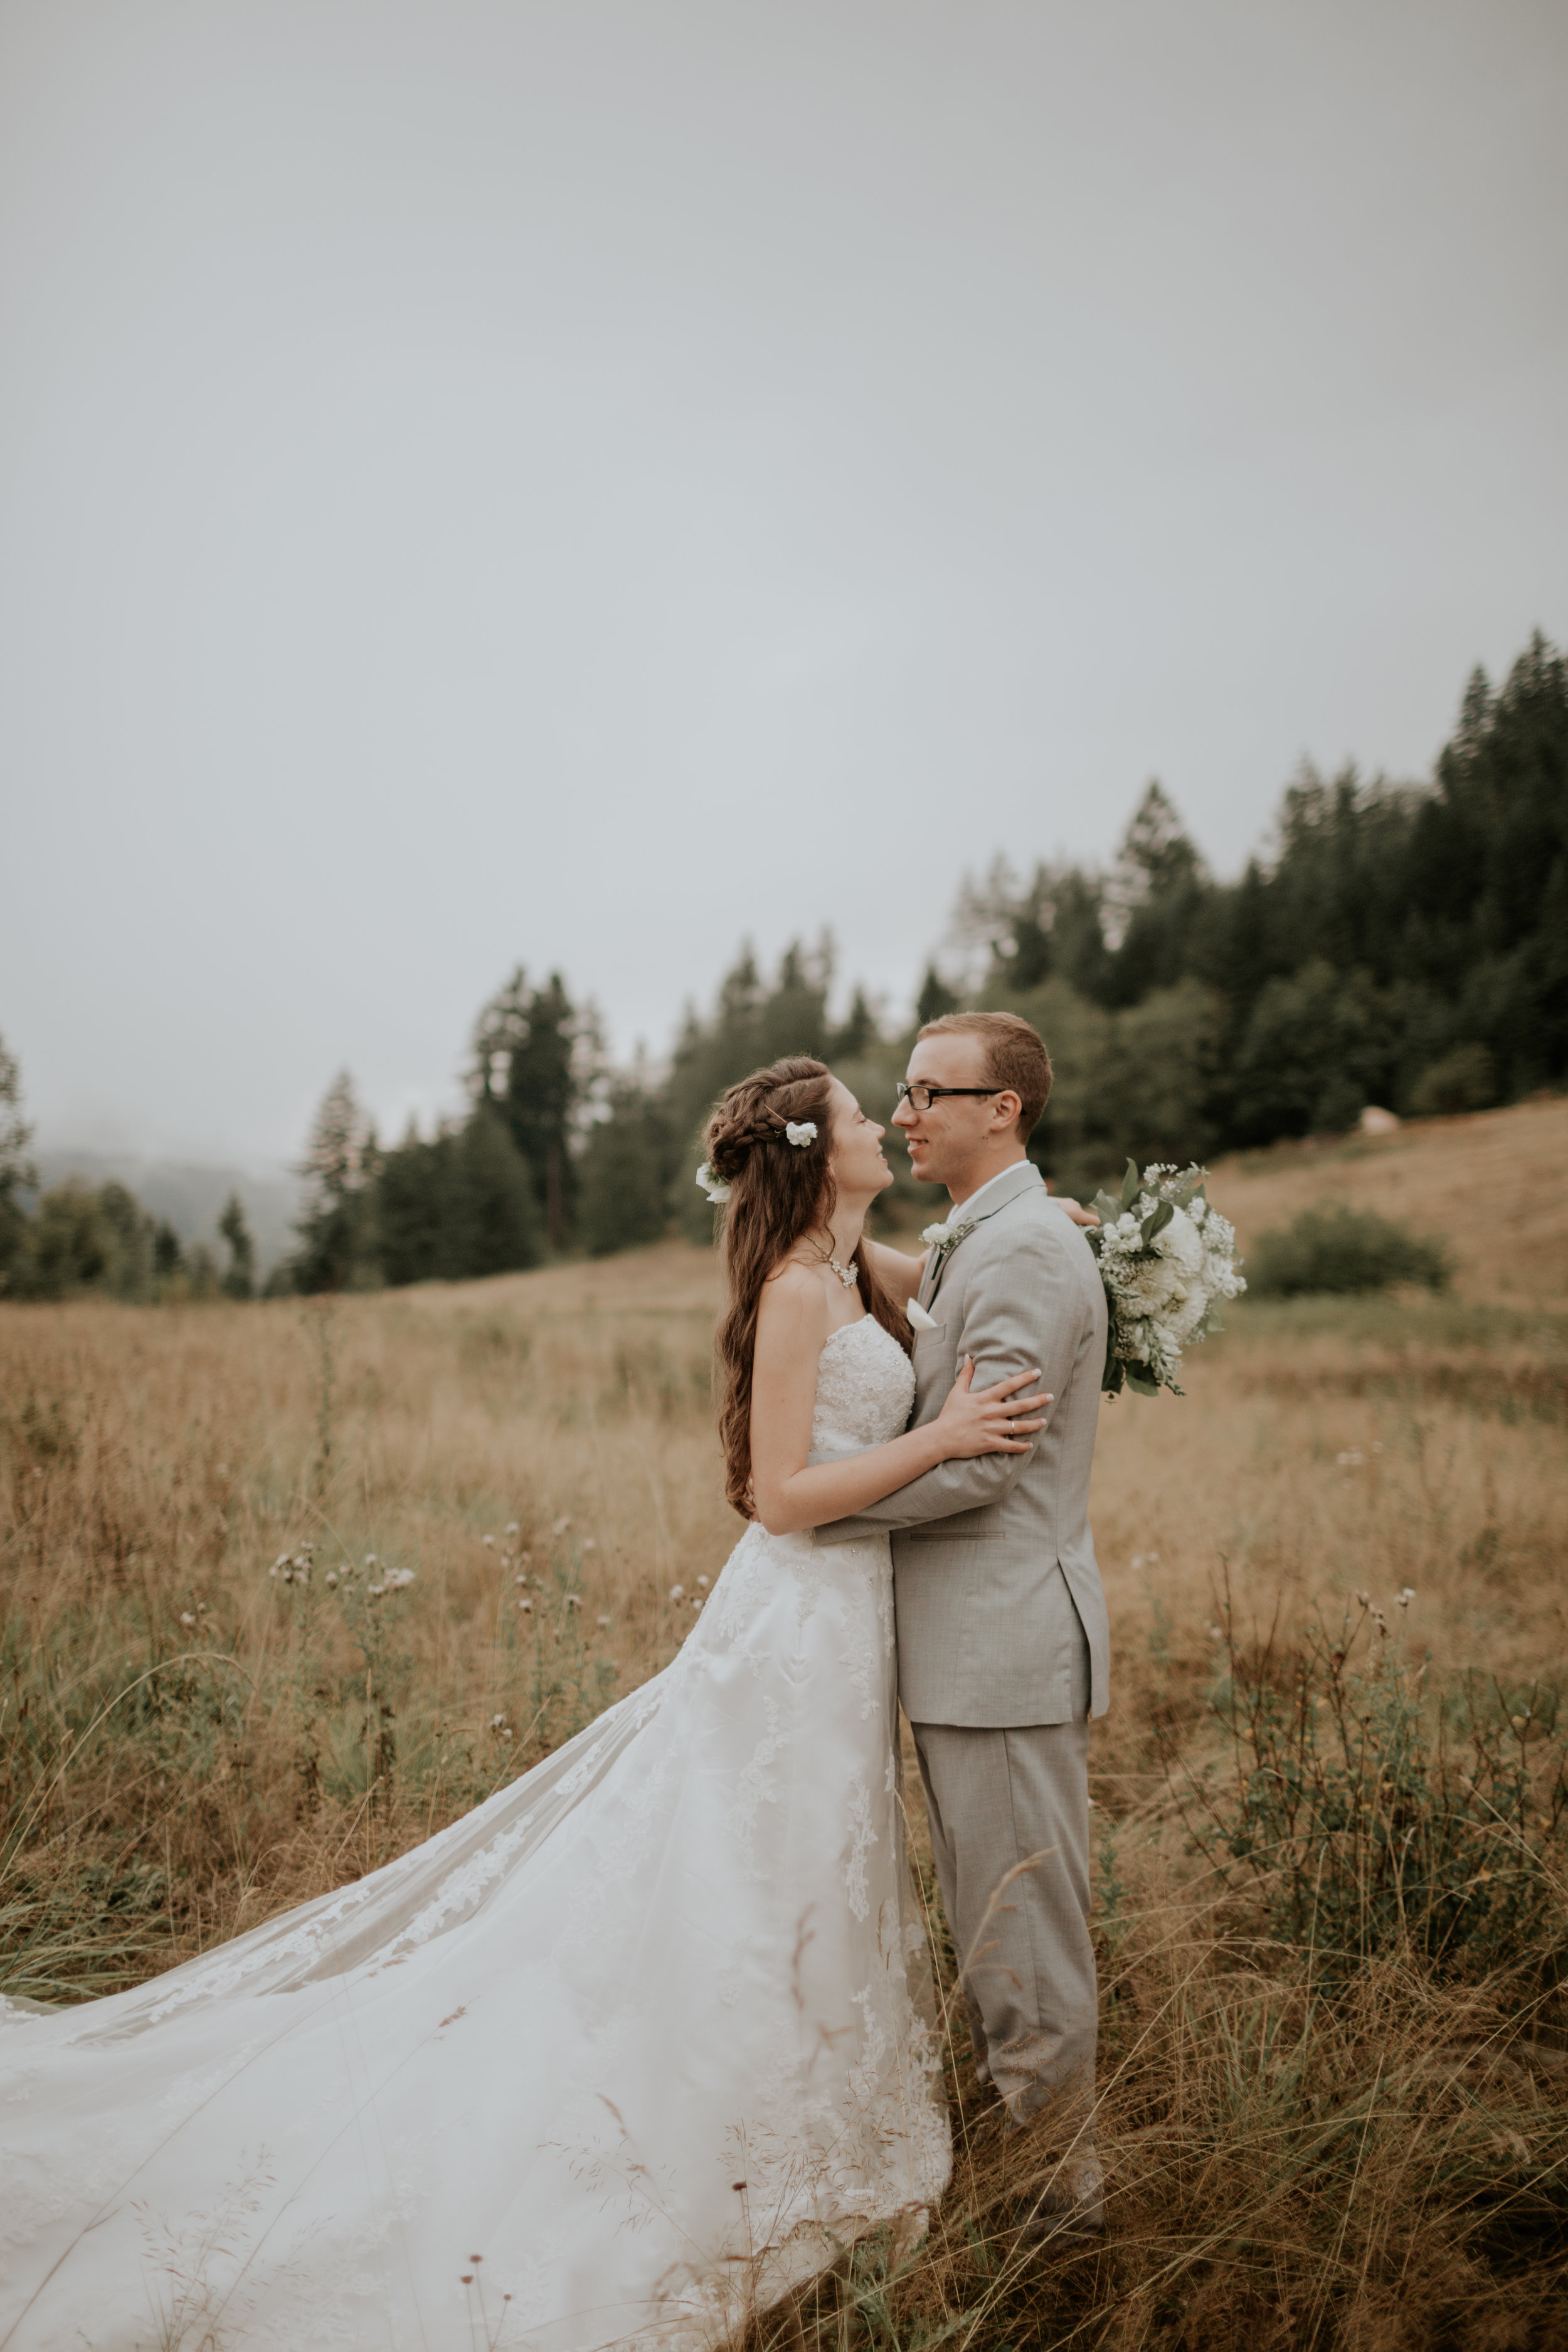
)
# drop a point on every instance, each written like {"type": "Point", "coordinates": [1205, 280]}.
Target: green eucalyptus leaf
{"type": "Point", "coordinates": [1157, 1220]}
{"type": "Point", "coordinates": [1131, 1184]}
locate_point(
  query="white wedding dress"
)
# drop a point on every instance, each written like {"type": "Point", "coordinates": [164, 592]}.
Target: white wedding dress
{"type": "Point", "coordinates": [640, 2041]}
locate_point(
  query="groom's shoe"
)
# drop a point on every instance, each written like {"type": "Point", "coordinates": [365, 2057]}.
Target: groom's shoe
{"type": "Point", "coordinates": [1066, 2195]}
{"type": "Point", "coordinates": [1068, 2202]}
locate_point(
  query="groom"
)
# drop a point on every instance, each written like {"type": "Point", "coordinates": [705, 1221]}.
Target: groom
{"type": "Point", "coordinates": [1003, 1638]}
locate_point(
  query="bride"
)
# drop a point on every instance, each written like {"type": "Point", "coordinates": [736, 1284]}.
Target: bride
{"type": "Point", "coordinates": [642, 2040]}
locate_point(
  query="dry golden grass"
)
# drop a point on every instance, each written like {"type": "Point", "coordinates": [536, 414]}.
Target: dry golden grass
{"type": "Point", "coordinates": [1493, 1183]}
{"type": "Point", "coordinates": [188, 1742]}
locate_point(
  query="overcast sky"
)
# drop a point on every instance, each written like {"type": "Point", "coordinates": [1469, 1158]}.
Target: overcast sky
{"type": "Point", "coordinates": [578, 481]}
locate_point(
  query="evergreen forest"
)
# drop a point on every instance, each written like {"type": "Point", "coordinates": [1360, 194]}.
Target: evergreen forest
{"type": "Point", "coordinates": [1397, 944]}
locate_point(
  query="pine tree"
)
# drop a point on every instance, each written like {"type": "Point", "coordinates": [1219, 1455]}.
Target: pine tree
{"type": "Point", "coordinates": [624, 1175]}
{"type": "Point", "coordinates": [337, 1247]}
{"type": "Point", "coordinates": [534, 1054]}
{"type": "Point", "coordinates": [1152, 900]}
{"type": "Point", "coordinates": [413, 1191]}
{"type": "Point", "coordinates": [492, 1224]}
{"type": "Point", "coordinates": [239, 1279]}
{"type": "Point", "coordinates": [935, 997]}
{"type": "Point", "coordinates": [168, 1252]}
{"type": "Point", "coordinates": [16, 1173]}
{"type": "Point", "coordinates": [858, 1032]}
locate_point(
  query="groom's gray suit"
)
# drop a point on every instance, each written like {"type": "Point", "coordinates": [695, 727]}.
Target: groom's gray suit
{"type": "Point", "coordinates": [1003, 1640]}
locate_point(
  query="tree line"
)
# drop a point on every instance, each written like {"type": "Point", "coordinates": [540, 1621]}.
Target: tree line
{"type": "Point", "coordinates": [78, 1236]}
{"type": "Point", "coordinates": [1398, 944]}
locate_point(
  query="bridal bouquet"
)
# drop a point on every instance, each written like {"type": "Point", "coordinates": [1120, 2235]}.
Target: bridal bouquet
{"type": "Point", "coordinates": [1166, 1259]}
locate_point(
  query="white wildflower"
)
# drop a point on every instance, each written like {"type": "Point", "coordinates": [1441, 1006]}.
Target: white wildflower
{"type": "Point", "coordinates": [559, 1526]}
{"type": "Point", "coordinates": [714, 1186]}
{"type": "Point", "coordinates": [186, 1618]}
{"type": "Point", "coordinates": [396, 1577]}
{"type": "Point", "coordinates": [678, 1591]}
{"type": "Point", "coordinates": [512, 1528]}
{"type": "Point", "coordinates": [702, 1581]}
{"type": "Point", "coordinates": [601, 1621]}
{"type": "Point", "coordinates": [801, 1132]}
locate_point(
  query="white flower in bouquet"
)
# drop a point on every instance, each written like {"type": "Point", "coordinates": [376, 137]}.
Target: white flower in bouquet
{"type": "Point", "coordinates": [1166, 1258]}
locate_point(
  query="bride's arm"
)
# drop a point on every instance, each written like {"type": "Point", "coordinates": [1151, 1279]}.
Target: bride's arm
{"type": "Point", "coordinates": [899, 1273]}
{"type": "Point", "coordinates": [792, 1330]}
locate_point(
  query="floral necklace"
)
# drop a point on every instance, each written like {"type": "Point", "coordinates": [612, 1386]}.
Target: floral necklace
{"type": "Point", "coordinates": [848, 1275]}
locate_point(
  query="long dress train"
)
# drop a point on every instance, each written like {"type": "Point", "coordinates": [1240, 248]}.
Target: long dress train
{"type": "Point", "coordinates": [637, 2043]}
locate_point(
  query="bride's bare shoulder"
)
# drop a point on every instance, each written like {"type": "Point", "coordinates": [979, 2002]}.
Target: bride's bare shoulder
{"type": "Point", "coordinates": [793, 1308]}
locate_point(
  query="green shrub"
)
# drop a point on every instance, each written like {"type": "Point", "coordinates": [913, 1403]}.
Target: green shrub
{"type": "Point", "coordinates": [1464, 1079]}
{"type": "Point", "coordinates": [1332, 1248]}
{"type": "Point", "coordinates": [1364, 1815]}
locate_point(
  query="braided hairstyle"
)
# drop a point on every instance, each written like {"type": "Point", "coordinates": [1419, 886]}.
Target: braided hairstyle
{"type": "Point", "coordinates": [778, 1191]}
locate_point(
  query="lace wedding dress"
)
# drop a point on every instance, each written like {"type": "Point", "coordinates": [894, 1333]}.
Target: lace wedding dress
{"type": "Point", "coordinates": [638, 2041]}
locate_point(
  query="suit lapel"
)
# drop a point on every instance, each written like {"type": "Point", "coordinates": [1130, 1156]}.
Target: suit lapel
{"type": "Point", "coordinates": [1026, 1176]}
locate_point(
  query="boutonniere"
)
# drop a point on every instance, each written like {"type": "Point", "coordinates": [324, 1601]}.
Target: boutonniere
{"type": "Point", "coordinates": [944, 1239]}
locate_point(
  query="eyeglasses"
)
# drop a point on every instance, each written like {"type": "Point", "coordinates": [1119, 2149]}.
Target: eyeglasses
{"type": "Point", "coordinates": [920, 1097]}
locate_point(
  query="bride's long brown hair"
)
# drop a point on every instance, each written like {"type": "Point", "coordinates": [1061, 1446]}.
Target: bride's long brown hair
{"type": "Point", "coordinates": [778, 1191]}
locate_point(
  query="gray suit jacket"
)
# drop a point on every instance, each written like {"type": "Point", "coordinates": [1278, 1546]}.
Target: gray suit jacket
{"type": "Point", "coordinates": [994, 1564]}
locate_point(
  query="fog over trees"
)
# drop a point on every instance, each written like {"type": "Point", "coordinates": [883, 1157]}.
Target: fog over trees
{"type": "Point", "coordinates": [1398, 944]}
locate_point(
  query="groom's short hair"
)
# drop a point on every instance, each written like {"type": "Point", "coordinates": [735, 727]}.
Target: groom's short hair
{"type": "Point", "coordinates": [1015, 1057]}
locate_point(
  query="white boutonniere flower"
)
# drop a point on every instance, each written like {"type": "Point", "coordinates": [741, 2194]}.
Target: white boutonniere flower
{"type": "Point", "coordinates": [801, 1132]}
{"type": "Point", "coordinates": [944, 1239]}
{"type": "Point", "coordinates": [716, 1190]}
{"type": "Point", "coordinates": [919, 1320]}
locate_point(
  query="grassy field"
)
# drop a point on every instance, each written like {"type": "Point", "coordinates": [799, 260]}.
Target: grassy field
{"type": "Point", "coordinates": [1319, 2134]}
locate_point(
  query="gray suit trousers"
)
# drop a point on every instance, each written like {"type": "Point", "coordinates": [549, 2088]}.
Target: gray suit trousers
{"type": "Point", "coordinates": [1016, 1800]}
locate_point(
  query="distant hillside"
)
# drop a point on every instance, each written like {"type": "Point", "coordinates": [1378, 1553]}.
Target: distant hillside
{"type": "Point", "coordinates": [188, 1196]}
{"type": "Point", "coordinates": [1490, 1184]}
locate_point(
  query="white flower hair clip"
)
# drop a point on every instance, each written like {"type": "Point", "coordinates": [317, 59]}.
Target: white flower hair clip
{"type": "Point", "coordinates": [801, 1132]}
{"type": "Point", "coordinates": [714, 1186]}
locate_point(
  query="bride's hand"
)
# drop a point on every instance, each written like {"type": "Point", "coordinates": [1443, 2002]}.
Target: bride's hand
{"type": "Point", "coordinates": [1076, 1210]}
{"type": "Point", "coordinates": [989, 1420]}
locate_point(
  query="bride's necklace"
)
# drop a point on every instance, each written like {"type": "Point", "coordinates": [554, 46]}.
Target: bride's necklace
{"type": "Point", "coordinates": [848, 1275]}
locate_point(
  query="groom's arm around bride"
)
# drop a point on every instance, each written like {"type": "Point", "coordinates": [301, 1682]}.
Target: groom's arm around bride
{"type": "Point", "coordinates": [1002, 1630]}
